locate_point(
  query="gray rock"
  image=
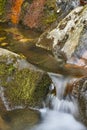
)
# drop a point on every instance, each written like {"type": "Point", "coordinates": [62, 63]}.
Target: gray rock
{"type": "Point", "coordinates": [63, 8]}
{"type": "Point", "coordinates": [68, 40]}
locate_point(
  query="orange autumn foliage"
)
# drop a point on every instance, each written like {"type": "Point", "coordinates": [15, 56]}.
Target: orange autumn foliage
{"type": "Point", "coordinates": [15, 11]}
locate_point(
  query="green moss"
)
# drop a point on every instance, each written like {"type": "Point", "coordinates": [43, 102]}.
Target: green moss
{"type": "Point", "coordinates": [2, 6]}
{"type": "Point", "coordinates": [5, 72]}
{"type": "Point", "coordinates": [24, 86]}
{"type": "Point", "coordinates": [42, 89]}
{"type": "Point", "coordinates": [6, 69]}
{"type": "Point", "coordinates": [52, 17]}
{"type": "Point", "coordinates": [50, 12]}
{"type": "Point", "coordinates": [24, 9]}
{"type": "Point", "coordinates": [51, 4]}
{"type": "Point", "coordinates": [26, 89]}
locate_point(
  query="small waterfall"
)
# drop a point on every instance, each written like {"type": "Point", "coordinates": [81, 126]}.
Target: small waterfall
{"type": "Point", "coordinates": [64, 106]}
{"type": "Point", "coordinates": [60, 83]}
{"type": "Point", "coordinates": [62, 113]}
{"type": "Point", "coordinates": [60, 102]}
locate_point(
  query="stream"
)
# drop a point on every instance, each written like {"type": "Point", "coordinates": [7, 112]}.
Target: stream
{"type": "Point", "coordinates": [63, 112]}
{"type": "Point", "coordinates": [59, 112]}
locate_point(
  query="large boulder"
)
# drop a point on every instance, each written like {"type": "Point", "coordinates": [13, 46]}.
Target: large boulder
{"type": "Point", "coordinates": [68, 40]}
{"type": "Point", "coordinates": [21, 84]}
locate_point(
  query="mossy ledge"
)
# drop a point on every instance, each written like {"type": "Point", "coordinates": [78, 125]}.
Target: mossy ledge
{"type": "Point", "coordinates": [24, 84]}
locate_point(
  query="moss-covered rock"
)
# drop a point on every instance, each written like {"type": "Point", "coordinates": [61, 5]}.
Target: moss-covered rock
{"type": "Point", "coordinates": [22, 84]}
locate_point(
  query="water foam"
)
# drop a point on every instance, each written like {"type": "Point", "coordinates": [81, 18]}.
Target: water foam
{"type": "Point", "coordinates": [54, 120]}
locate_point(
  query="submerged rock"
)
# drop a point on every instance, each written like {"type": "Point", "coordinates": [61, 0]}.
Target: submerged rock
{"type": "Point", "coordinates": [19, 119]}
{"type": "Point", "coordinates": [21, 84]}
{"type": "Point", "coordinates": [3, 124]}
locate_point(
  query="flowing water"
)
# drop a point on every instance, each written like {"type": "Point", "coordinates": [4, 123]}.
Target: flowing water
{"type": "Point", "coordinates": [54, 120]}
{"type": "Point", "coordinates": [60, 112]}
{"type": "Point", "coordinates": [63, 112]}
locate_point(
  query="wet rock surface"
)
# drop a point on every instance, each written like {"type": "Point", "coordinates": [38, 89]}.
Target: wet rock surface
{"type": "Point", "coordinates": [80, 94]}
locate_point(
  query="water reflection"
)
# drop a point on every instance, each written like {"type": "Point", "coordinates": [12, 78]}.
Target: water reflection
{"type": "Point", "coordinates": [18, 120]}
{"type": "Point", "coordinates": [3, 125]}
{"type": "Point", "coordinates": [23, 42]}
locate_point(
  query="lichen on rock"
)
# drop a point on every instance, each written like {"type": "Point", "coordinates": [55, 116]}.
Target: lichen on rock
{"type": "Point", "coordinates": [68, 37]}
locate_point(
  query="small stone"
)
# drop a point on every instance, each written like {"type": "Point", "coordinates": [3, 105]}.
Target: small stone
{"type": "Point", "coordinates": [4, 44]}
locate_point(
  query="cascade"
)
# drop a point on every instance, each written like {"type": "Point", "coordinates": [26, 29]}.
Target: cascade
{"type": "Point", "coordinates": [60, 112]}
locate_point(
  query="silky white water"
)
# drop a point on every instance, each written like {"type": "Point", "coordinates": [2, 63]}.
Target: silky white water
{"type": "Point", "coordinates": [63, 113]}
{"type": "Point", "coordinates": [54, 120]}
